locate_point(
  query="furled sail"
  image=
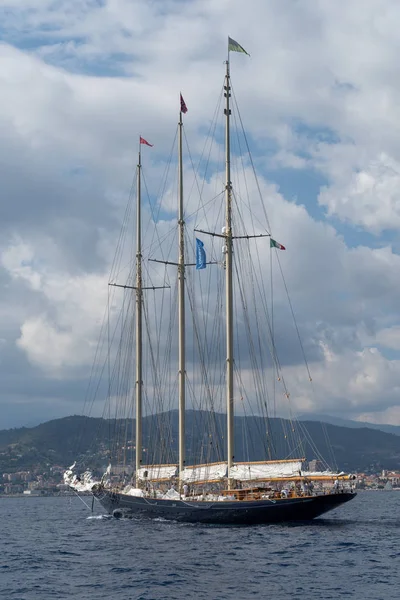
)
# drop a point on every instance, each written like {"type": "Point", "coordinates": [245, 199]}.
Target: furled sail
{"type": "Point", "coordinates": [270, 469]}
{"type": "Point", "coordinates": [156, 472]}
{"type": "Point", "coordinates": [209, 473]}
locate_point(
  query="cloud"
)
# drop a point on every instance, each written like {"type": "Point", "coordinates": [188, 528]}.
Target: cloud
{"type": "Point", "coordinates": [389, 337]}
{"type": "Point", "coordinates": [319, 95]}
{"type": "Point", "coordinates": [368, 197]}
{"type": "Point", "coordinates": [60, 330]}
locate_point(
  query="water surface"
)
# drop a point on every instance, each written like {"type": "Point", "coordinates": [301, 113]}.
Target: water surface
{"type": "Point", "coordinates": [55, 548]}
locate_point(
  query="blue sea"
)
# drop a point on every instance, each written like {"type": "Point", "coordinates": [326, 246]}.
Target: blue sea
{"type": "Point", "coordinates": [56, 548]}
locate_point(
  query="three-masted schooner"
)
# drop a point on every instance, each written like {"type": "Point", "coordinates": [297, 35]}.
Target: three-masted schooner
{"type": "Point", "coordinates": [225, 491]}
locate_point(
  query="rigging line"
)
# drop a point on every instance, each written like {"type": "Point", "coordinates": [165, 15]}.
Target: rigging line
{"type": "Point", "coordinates": [215, 341]}
{"type": "Point", "coordinates": [154, 357]}
{"type": "Point", "coordinates": [251, 266]}
{"type": "Point", "coordinates": [123, 391]}
{"type": "Point", "coordinates": [245, 438]}
{"type": "Point", "coordinates": [209, 417]}
{"type": "Point", "coordinates": [329, 445]}
{"type": "Point", "coordinates": [204, 313]}
{"type": "Point", "coordinates": [103, 368]}
{"type": "Point", "coordinates": [153, 276]}
{"type": "Point", "coordinates": [270, 340]}
{"type": "Point", "coordinates": [203, 206]}
{"type": "Point", "coordinates": [202, 346]}
{"type": "Point", "coordinates": [245, 396]}
{"type": "Point", "coordinates": [161, 191]}
{"type": "Point", "coordinates": [123, 229]}
{"type": "Point", "coordinates": [88, 405]}
{"type": "Point", "coordinates": [251, 274]}
{"type": "Point", "coordinates": [254, 363]}
{"type": "Point", "coordinates": [82, 500]}
{"type": "Point", "coordinates": [212, 253]}
{"type": "Point", "coordinates": [326, 434]}
{"type": "Point", "coordinates": [163, 377]}
{"type": "Point", "coordinates": [251, 158]}
{"type": "Point", "coordinates": [99, 347]}
{"type": "Point", "coordinates": [117, 380]}
{"type": "Point", "coordinates": [151, 246]}
{"type": "Point", "coordinates": [313, 445]}
{"type": "Point", "coordinates": [272, 353]}
{"type": "Point", "coordinates": [293, 315]}
{"type": "Point", "coordinates": [117, 267]}
{"type": "Point", "coordinates": [252, 353]}
{"type": "Point", "coordinates": [123, 375]}
{"type": "Point", "coordinates": [108, 369]}
{"type": "Point", "coordinates": [210, 137]}
{"type": "Point", "coordinates": [200, 190]}
{"type": "Point", "coordinates": [272, 321]}
{"type": "Point", "coordinates": [158, 324]}
{"type": "Point", "coordinates": [157, 388]}
{"type": "Point", "coordinates": [238, 193]}
{"type": "Point", "coordinates": [262, 388]}
{"type": "Point", "coordinates": [165, 367]}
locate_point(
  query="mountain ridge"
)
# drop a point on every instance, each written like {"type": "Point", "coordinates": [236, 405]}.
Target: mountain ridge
{"type": "Point", "coordinates": [339, 421]}
{"type": "Point", "coordinates": [61, 441]}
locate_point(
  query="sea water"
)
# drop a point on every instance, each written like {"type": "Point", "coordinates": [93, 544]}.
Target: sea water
{"type": "Point", "coordinates": [56, 548]}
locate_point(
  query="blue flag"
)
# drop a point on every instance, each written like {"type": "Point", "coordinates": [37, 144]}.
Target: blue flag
{"type": "Point", "coordinates": [200, 255]}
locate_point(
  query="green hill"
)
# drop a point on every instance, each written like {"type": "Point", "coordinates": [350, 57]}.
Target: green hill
{"type": "Point", "coordinates": [61, 441]}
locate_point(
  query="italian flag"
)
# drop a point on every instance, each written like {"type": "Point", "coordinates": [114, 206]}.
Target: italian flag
{"type": "Point", "coordinates": [275, 244]}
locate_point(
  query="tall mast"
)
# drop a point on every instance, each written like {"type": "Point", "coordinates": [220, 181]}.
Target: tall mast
{"type": "Point", "coordinates": [229, 283]}
{"type": "Point", "coordinates": [139, 303]}
{"type": "Point", "coordinates": [181, 305]}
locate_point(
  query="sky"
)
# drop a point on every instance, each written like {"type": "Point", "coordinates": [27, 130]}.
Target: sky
{"type": "Point", "coordinates": [320, 98]}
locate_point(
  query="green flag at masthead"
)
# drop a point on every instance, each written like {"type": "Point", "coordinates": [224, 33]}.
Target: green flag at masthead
{"type": "Point", "coordinates": [235, 47]}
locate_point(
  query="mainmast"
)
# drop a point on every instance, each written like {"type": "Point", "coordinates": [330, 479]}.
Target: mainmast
{"type": "Point", "coordinates": [139, 306]}
{"type": "Point", "coordinates": [228, 279]}
{"type": "Point", "coordinates": [181, 304]}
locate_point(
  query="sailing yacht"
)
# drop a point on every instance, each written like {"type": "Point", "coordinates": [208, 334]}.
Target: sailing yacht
{"type": "Point", "coordinates": [221, 489]}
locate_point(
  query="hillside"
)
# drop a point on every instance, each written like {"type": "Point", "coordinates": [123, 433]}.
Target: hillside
{"type": "Point", "coordinates": [61, 441]}
{"type": "Point", "coordinates": [352, 424]}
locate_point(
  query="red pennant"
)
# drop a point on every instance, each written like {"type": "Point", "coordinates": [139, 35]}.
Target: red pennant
{"type": "Point", "coordinates": [143, 141]}
{"type": "Point", "coordinates": [183, 106]}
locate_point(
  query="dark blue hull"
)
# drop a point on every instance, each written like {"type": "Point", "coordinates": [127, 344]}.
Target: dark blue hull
{"type": "Point", "coordinates": [234, 512]}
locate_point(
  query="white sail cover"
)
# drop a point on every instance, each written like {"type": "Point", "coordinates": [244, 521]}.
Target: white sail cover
{"type": "Point", "coordinates": [341, 475]}
{"type": "Point", "coordinates": [82, 483]}
{"type": "Point", "coordinates": [311, 474]}
{"type": "Point", "coordinates": [157, 472]}
{"type": "Point", "coordinates": [212, 472]}
{"type": "Point", "coordinates": [253, 471]}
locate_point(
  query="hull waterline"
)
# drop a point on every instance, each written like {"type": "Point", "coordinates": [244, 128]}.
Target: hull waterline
{"type": "Point", "coordinates": [235, 512]}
